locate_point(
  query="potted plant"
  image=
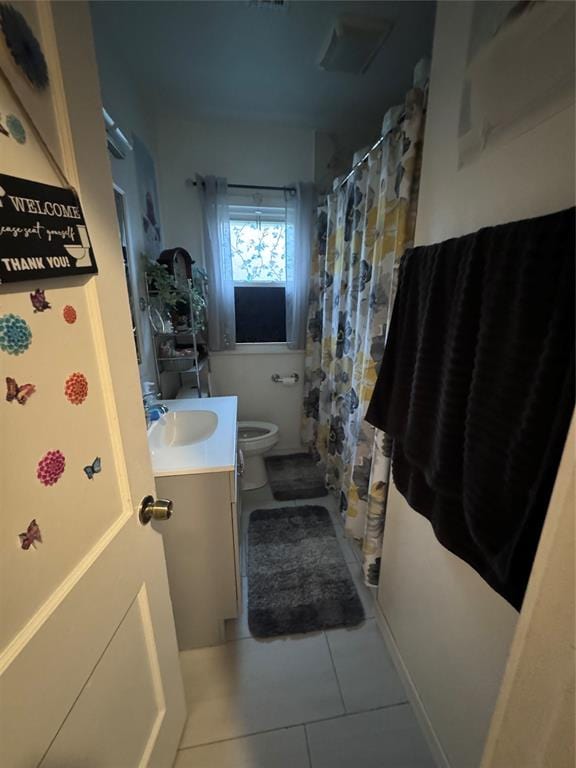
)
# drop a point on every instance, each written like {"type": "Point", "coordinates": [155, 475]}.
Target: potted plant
{"type": "Point", "coordinates": [172, 298]}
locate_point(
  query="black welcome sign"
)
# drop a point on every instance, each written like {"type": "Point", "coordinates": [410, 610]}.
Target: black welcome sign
{"type": "Point", "coordinates": [42, 232]}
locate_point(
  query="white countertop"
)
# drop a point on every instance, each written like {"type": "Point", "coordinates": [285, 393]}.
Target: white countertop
{"type": "Point", "coordinates": [216, 453]}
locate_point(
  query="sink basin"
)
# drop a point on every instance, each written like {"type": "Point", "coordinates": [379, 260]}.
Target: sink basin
{"type": "Point", "coordinates": [179, 428]}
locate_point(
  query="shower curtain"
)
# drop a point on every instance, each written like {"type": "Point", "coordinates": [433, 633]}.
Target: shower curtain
{"type": "Point", "coordinates": [363, 228]}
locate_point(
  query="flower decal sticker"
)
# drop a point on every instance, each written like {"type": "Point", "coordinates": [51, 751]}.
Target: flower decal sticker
{"type": "Point", "coordinates": [23, 46]}
{"type": "Point", "coordinates": [51, 467]}
{"type": "Point", "coordinates": [15, 334]}
{"type": "Point", "coordinates": [69, 314]}
{"type": "Point", "coordinates": [76, 388]}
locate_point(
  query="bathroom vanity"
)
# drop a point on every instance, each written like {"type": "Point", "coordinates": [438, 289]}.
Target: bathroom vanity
{"type": "Point", "coordinates": [193, 450]}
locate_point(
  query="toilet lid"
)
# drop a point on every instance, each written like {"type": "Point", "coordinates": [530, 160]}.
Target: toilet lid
{"type": "Point", "coordinates": [246, 433]}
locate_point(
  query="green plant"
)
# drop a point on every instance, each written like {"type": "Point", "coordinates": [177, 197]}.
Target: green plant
{"type": "Point", "coordinates": [165, 291]}
{"type": "Point", "coordinates": [162, 284]}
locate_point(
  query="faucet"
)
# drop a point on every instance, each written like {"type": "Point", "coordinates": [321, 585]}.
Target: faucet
{"type": "Point", "coordinates": [152, 409]}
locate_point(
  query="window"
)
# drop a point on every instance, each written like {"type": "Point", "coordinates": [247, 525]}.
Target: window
{"type": "Point", "coordinates": [258, 249]}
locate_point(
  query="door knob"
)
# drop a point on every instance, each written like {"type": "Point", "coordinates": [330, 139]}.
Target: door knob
{"type": "Point", "coordinates": [154, 509]}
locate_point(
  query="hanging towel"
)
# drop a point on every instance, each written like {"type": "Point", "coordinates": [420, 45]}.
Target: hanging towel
{"type": "Point", "coordinates": [476, 388]}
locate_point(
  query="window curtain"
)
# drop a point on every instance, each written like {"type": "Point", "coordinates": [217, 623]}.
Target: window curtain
{"type": "Point", "coordinates": [299, 218]}
{"type": "Point", "coordinates": [218, 262]}
{"type": "Point", "coordinates": [363, 229]}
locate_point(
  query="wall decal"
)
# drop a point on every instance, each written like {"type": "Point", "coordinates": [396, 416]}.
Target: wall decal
{"type": "Point", "coordinates": [24, 46]}
{"type": "Point", "coordinates": [20, 394]}
{"type": "Point", "coordinates": [76, 388]}
{"type": "Point", "coordinates": [148, 194]}
{"type": "Point", "coordinates": [16, 129]}
{"type": "Point", "coordinates": [32, 535]}
{"type": "Point", "coordinates": [39, 301]}
{"type": "Point", "coordinates": [51, 467]}
{"type": "Point", "coordinates": [93, 469]}
{"type": "Point", "coordinates": [42, 232]}
{"type": "Point", "coordinates": [69, 314]}
{"type": "Point", "coordinates": [15, 334]}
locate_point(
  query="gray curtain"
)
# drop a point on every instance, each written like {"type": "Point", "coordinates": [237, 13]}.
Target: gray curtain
{"type": "Point", "coordinates": [218, 262]}
{"type": "Point", "coordinates": [299, 217]}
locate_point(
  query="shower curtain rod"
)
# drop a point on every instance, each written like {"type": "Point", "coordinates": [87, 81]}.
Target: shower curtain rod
{"type": "Point", "coordinates": [192, 183]}
{"type": "Point", "coordinates": [362, 160]}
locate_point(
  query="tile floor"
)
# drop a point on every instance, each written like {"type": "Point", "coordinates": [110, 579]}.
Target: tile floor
{"type": "Point", "coordinates": [325, 700]}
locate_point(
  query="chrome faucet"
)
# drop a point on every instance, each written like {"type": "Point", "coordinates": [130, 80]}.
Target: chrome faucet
{"type": "Point", "coordinates": [152, 409]}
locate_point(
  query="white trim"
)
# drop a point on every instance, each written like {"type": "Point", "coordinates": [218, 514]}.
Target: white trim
{"type": "Point", "coordinates": [259, 348]}
{"type": "Point", "coordinates": [259, 283]}
{"type": "Point", "coordinates": [440, 757]}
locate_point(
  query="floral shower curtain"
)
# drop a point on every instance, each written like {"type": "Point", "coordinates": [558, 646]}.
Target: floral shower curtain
{"type": "Point", "coordinates": [363, 228]}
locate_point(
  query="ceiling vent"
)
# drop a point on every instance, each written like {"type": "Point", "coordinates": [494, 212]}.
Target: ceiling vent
{"type": "Point", "coordinates": [269, 3]}
{"type": "Point", "coordinates": [353, 44]}
{"type": "Point", "coordinates": [118, 144]}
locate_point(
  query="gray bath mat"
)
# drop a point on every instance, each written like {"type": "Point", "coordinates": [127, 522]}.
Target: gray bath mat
{"type": "Point", "coordinates": [298, 580]}
{"type": "Point", "coordinates": [295, 476]}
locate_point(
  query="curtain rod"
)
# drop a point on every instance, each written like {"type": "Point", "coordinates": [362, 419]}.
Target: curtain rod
{"type": "Point", "coordinates": [192, 183]}
{"type": "Point", "coordinates": [362, 160]}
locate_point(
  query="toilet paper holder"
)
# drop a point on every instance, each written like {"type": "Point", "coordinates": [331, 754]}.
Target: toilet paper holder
{"type": "Point", "coordinates": [294, 378]}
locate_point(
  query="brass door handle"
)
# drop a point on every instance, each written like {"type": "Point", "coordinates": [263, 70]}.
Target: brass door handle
{"type": "Point", "coordinates": [154, 509]}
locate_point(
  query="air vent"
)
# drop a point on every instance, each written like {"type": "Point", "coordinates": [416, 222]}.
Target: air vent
{"type": "Point", "coordinates": [268, 3]}
{"type": "Point", "coordinates": [353, 44]}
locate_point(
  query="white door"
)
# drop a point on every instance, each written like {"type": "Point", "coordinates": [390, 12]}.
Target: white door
{"type": "Point", "coordinates": [89, 672]}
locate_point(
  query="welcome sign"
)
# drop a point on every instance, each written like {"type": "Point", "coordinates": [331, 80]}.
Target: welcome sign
{"type": "Point", "coordinates": [42, 232]}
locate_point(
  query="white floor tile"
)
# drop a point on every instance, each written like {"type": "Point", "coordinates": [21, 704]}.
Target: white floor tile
{"type": "Point", "coordinates": [248, 686]}
{"type": "Point", "coordinates": [348, 547]}
{"type": "Point", "coordinates": [329, 501]}
{"type": "Point", "coordinates": [236, 629]}
{"type": "Point", "coordinates": [260, 497]}
{"type": "Point", "coordinates": [384, 738]}
{"type": "Point", "coordinates": [285, 748]}
{"type": "Point", "coordinates": [367, 595]}
{"type": "Point", "coordinates": [365, 671]}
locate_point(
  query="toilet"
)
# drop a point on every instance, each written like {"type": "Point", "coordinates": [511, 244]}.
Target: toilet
{"type": "Point", "coordinates": [255, 438]}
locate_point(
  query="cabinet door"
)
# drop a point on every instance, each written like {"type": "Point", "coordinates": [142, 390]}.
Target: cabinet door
{"type": "Point", "coordinates": [200, 554]}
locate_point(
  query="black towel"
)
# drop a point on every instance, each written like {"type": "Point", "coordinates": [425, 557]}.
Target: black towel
{"type": "Point", "coordinates": [476, 388]}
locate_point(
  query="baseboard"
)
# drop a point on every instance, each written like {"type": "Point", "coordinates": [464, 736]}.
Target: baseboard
{"type": "Point", "coordinates": [418, 707]}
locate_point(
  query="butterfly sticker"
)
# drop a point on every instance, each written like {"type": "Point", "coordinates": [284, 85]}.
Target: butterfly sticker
{"type": "Point", "coordinates": [39, 301]}
{"type": "Point", "coordinates": [31, 536]}
{"type": "Point", "coordinates": [20, 394]}
{"type": "Point", "coordinates": [93, 469]}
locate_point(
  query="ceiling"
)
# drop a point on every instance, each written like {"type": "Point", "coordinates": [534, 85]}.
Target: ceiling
{"type": "Point", "coordinates": [234, 59]}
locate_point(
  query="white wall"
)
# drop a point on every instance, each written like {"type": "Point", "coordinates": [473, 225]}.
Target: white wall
{"type": "Point", "coordinates": [122, 100]}
{"type": "Point", "coordinates": [451, 630]}
{"type": "Point", "coordinates": [248, 375]}
{"type": "Point", "coordinates": [245, 153]}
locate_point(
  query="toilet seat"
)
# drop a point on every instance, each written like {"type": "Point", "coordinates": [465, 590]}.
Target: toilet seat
{"type": "Point", "coordinates": [256, 436]}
